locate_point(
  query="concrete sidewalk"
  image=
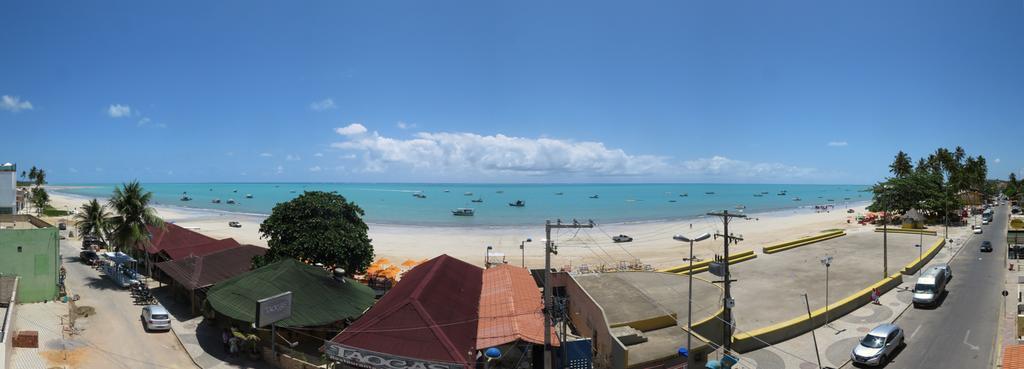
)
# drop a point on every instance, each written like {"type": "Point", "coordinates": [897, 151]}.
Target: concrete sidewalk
{"type": "Point", "coordinates": [837, 339]}
{"type": "Point", "coordinates": [203, 344]}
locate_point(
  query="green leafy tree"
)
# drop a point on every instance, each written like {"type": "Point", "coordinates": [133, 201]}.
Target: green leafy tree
{"type": "Point", "coordinates": [131, 204]}
{"type": "Point", "coordinates": [32, 173]}
{"type": "Point", "coordinates": [901, 166]}
{"type": "Point", "coordinates": [40, 199]}
{"type": "Point", "coordinates": [93, 220]}
{"type": "Point", "coordinates": [318, 227]}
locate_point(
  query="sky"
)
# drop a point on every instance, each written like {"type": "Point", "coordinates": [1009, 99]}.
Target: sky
{"type": "Point", "coordinates": [471, 91]}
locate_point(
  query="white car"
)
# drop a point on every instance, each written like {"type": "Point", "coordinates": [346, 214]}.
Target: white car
{"type": "Point", "coordinates": [977, 230]}
{"type": "Point", "coordinates": [877, 346]}
{"type": "Point", "coordinates": [156, 317]}
{"type": "Point", "coordinates": [984, 221]}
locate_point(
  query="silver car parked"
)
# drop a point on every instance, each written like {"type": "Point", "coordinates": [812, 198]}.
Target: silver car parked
{"type": "Point", "coordinates": [156, 317]}
{"type": "Point", "coordinates": [877, 347]}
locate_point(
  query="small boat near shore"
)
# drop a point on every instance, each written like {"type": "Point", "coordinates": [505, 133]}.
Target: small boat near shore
{"type": "Point", "coordinates": [481, 199]}
{"type": "Point", "coordinates": [419, 195]}
{"type": "Point", "coordinates": [215, 201]}
{"type": "Point", "coordinates": [185, 197]}
{"type": "Point", "coordinates": [559, 193]}
{"type": "Point", "coordinates": [796, 199]}
{"type": "Point", "coordinates": [684, 194]}
{"type": "Point", "coordinates": [231, 201]}
{"type": "Point", "coordinates": [594, 197]}
{"type": "Point", "coordinates": [463, 212]}
{"type": "Point", "coordinates": [467, 194]}
{"type": "Point", "coordinates": [517, 204]}
{"type": "Point", "coordinates": [710, 193]}
{"type": "Point", "coordinates": [248, 195]}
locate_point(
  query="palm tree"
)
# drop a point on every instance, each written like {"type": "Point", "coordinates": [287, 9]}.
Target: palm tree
{"type": "Point", "coordinates": [131, 203]}
{"type": "Point", "coordinates": [40, 177]}
{"type": "Point", "coordinates": [23, 174]}
{"type": "Point", "coordinates": [901, 166]}
{"type": "Point", "coordinates": [32, 173]}
{"type": "Point", "coordinates": [93, 220]}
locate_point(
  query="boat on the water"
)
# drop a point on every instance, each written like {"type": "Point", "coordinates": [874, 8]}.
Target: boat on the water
{"type": "Point", "coordinates": [741, 207]}
{"type": "Point", "coordinates": [463, 212]}
{"type": "Point", "coordinates": [710, 193]}
{"type": "Point", "coordinates": [593, 197]}
{"type": "Point", "coordinates": [215, 201]}
{"type": "Point", "coordinates": [185, 197]}
{"type": "Point", "coordinates": [231, 201]}
{"type": "Point", "coordinates": [499, 191]}
{"type": "Point", "coordinates": [758, 195]}
{"type": "Point", "coordinates": [292, 191]}
{"type": "Point", "coordinates": [467, 194]}
{"type": "Point", "coordinates": [684, 194]}
{"type": "Point", "coordinates": [559, 193]}
{"type": "Point", "coordinates": [248, 195]}
{"type": "Point", "coordinates": [764, 192]}
{"type": "Point", "coordinates": [796, 199]}
{"type": "Point", "coordinates": [781, 193]}
{"type": "Point", "coordinates": [419, 195]}
{"type": "Point", "coordinates": [518, 204]}
{"type": "Point", "coordinates": [481, 199]}
{"type": "Point", "coordinates": [234, 190]}
{"type": "Point", "coordinates": [447, 191]}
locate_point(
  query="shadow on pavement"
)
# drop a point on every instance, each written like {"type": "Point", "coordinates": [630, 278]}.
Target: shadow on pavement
{"type": "Point", "coordinates": [101, 283]}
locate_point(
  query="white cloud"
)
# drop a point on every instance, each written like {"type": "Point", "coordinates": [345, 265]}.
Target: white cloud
{"type": "Point", "coordinates": [404, 125]}
{"type": "Point", "coordinates": [119, 111]}
{"type": "Point", "coordinates": [997, 160]}
{"type": "Point", "coordinates": [266, 154]}
{"type": "Point", "coordinates": [325, 104]}
{"type": "Point", "coordinates": [315, 169]}
{"type": "Point", "coordinates": [720, 166]}
{"type": "Point", "coordinates": [319, 155]}
{"type": "Point", "coordinates": [838, 143]}
{"type": "Point", "coordinates": [351, 130]}
{"type": "Point", "coordinates": [143, 121]}
{"type": "Point", "coordinates": [347, 156]}
{"type": "Point", "coordinates": [279, 170]}
{"type": "Point", "coordinates": [14, 104]}
{"type": "Point", "coordinates": [462, 152]}
{"type": "Point", "coordinates": [291, 157]}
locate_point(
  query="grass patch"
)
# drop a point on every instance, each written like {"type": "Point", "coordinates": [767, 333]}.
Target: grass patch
{"type": "Point", "coordinates": [54, 212]}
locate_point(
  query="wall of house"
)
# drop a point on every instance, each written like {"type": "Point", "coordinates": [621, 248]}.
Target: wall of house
{"type": "Point", "coordinates": [588, 317]}
{"type": "Point", "coordinates": [34, 256]}
{"type": "Point", "coordinates": [8, 192]}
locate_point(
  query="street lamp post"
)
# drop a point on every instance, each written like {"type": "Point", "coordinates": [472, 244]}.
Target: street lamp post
{"type": "Point", "coordinates": [522, 250]}
{"type": "Point", "coordinates": [689, 294]}
{"type": "Point", "coordinates": [827, 262]}
{"type": "Point", "coordinates": [487, 257]}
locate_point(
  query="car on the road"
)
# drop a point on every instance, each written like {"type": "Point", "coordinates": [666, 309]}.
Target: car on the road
{"type": "Point", "coordinates": [986, 246]}
{"type": "Point", "coordinates": [930, 286]}
{"type": "Point", "coordinates": [234, 224]}
{"type": "Point", "coordinates": [878, 346]}
{"type": "Point", "coordinates": [985, 221]}
{"type": "Point", "coordinates": [977, 230]}
{"type": "Point", "coordinates": [156, 317]}
{"type": "Point", "coordinates": [88, 257]}
{"type": "Point", "coordinates": [622, 238]}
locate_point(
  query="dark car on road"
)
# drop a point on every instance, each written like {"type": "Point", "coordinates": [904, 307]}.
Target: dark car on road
{"type": "Point", "coordinates": [986, 246]}
{"type": "Point", "coordinates": [88, 257]}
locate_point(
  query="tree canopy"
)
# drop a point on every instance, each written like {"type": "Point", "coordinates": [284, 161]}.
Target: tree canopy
{"type": "Point", "coordinates": [934, 185]}
{"type": "Point", "coordinates": [40, 199]}
{"type": "Point", "coordinates": [131, 203]}
{"type": "Point", "coordinates": [93, 220]}
{"type": "Point", "coordinates": [318, 227]}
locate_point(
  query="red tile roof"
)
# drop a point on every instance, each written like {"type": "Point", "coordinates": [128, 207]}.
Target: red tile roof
{"type": "Point", "coordinates": [511, 308]}
{"type": "Point", "coordinates": [201, 271]}
{"type": "Point", "coordinates": [173, 236]}
{"type": "Point", "coordinates": [430, 315]}
{"type": "Point", "coordinates": [1013, 357]}
{"type": "Point", "coordinates": [201, 249]}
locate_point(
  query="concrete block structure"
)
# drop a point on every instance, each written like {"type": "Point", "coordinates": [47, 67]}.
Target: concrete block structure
{"type": "Point", "coordinates": [30, 249]}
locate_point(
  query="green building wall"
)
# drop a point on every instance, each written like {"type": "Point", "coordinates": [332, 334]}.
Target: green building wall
{"type": "Point", "coordinates": [36, 263]}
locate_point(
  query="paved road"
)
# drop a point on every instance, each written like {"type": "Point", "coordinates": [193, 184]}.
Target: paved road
{"type": "Point", "coordinates": [114, 336]}
{"type": "Point", "coordinates": [961, 332]}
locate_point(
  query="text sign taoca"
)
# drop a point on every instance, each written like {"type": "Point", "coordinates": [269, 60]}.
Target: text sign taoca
{"type": "Point", "coordinates": [370, 359]}
{"type": "Point", "coordinates": [273, 309]}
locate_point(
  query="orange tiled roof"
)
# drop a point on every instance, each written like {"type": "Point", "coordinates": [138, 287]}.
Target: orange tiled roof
{"type": "Point", "coordinates": [1013, 357]}
{"type": "Point", "coordinates": [510, 308]}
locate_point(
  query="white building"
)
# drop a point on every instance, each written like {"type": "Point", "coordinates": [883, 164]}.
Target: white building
{"type": "Point", "coordinates": [8, 188]}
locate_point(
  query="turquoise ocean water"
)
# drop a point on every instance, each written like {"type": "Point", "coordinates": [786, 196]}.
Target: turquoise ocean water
{"type": "Point", "coordinates": [394, 203]}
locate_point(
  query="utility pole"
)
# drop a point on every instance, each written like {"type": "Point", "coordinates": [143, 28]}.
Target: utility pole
{"type": "Point", "coordinates": [814, 337]}
{"type": "Point", "coordinates": [549, 248]}
{"type": "Point", "coordinates": [727, 302]}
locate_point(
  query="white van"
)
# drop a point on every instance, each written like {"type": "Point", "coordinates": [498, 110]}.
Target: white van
{"type": "Point", "coordinates": [930, 285]}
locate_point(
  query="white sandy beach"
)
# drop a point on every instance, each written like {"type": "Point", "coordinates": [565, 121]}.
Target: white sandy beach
{"type": "Point", "coordinates": [653, 243]}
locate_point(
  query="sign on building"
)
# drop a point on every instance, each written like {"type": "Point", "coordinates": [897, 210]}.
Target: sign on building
{"type": "Point", "coordinates": [369, 359]}
{"type": "Point", "coordinates": [273, 309]}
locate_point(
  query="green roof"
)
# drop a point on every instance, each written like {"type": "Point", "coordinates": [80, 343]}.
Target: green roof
{"type": "Point", "coordinates": [317, 298]}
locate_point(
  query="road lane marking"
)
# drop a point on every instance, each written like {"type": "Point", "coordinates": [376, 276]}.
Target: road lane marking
{"type": "Point", "coordinates": [915, 331]}
{"type": "Point", "coordinates": [966, 336]}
